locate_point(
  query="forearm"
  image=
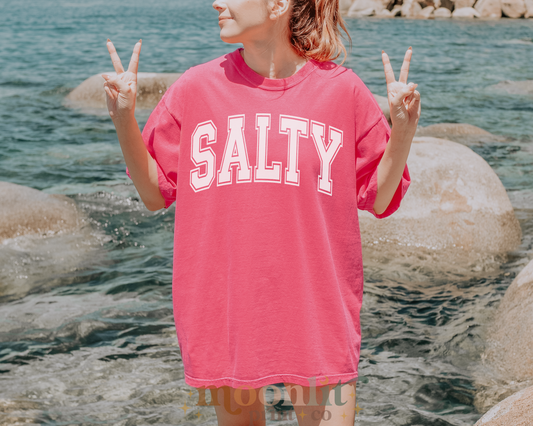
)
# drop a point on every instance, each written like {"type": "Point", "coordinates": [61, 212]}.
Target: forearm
{"type": "Point", "coordinates": [391, 167]}
{"type": "Point", "coordinates": [141, 166]}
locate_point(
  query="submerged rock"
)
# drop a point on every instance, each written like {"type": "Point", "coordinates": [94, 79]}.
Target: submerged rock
{"type": "Point", "coordinates": [515, 410]}
{"type": "Point", "coordinates": [456, 208]}
{"type": "Point", "coordinates": [523, 87]}
{"type": "Point", "coordinates": [26, 211]}
{"type": "Point", "coordinates": [464, 133]}
{"type": "Point", "coordinates": [150, 89]}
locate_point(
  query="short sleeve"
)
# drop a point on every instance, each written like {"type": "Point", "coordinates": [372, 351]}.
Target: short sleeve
{"type": "Point", "coordinates": [161, 135]}
{"type": "Point", "coordinates": [372, 135]}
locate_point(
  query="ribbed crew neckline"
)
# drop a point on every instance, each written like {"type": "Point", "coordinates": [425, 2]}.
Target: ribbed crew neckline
{"type": "Point", "coordinates": [270, 83]}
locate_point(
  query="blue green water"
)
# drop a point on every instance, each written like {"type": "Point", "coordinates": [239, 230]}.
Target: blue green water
{"type": "Point", "coordinates": [86, 327]}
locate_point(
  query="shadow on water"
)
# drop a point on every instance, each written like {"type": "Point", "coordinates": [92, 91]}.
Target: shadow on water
{"type": "Point", "coordinates": [87, 334]}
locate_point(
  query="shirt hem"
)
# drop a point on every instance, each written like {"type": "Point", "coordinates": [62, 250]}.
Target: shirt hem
{"type": "Point", "coordinates": [270, 380]}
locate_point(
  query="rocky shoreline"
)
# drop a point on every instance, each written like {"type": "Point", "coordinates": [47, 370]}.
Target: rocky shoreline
{"type": "Point", "coordinates": [434, 9]}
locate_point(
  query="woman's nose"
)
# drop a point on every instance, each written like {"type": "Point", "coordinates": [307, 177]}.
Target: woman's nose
{"type": "Point", "coordinates": [217, 5]}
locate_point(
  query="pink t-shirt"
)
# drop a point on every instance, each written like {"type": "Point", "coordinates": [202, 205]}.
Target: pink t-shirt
{"type": "Point", "coordinates": [267, 175]}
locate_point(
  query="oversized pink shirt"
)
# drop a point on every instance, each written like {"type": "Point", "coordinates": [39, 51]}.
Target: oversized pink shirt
{"type": "Point", "coordinates": [267, 176]}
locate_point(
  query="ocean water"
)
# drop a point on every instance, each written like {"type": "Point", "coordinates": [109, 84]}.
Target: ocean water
{"type": "Point", "coordinates": [86, 326]}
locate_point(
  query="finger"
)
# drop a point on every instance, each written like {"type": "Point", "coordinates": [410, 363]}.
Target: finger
{"type": "Point", "coordinates": [389, 73]}
{"type": "Point", "coordinates": [134, 62]}
{"type": "Point", "coordinates": [414, 98]}
{"type": "Point", "coordinates": [402, 94]}
{"type": "Point", "coordinates": [117, 64]}
{"type": "Point", "coordinates": [117, 83]}
{"type": "Point", "coordinates": [108, 91]}
{"type": "Point", "coordinates": [404, 72]}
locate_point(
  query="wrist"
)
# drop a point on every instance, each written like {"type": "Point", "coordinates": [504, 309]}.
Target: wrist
{"type": "Point", "coordinates": [401, 134]}
{"type": "Point", "coordinates": [124, 120]}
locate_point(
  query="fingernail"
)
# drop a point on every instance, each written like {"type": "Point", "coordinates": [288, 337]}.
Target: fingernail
{"type": "Point", "coordinates": [410, 48]}
{"type": "Point", "coordinates": [108, 40]}
{"type": "Point", "coordinates": [140, 40]}
{"type": "Point", "coordinates": [382, 51]}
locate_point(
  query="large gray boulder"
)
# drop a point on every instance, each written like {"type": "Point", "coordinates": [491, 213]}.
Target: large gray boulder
{"type": "Point", "coordinates": [25, 211]}
{"type": "Point", "coordinates": [489, 8]}
{"type": "Point", "coordinates": [513, 8]}
{"type": "Point", "coordinates": [455, 211]}
{"type": "Point", "coordinates": [150, 89]}
{"type": "Point", "coordinates": [464, 133]}
{"type": "Point", "coordinates": [508, 355]}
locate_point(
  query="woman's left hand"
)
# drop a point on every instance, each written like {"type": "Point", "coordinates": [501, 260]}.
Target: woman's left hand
{"type": "Point", "coordinates": [404, 100]}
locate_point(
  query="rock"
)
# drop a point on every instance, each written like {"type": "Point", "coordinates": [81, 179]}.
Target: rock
{"type": "Point", "coordinates": [385, 13]}
{"type": "Point", "coordinates": [515, 410]}
{"type": "Point", "coordinates": [466, 134]}
{"type": "Point", "coordinates": [448, 4]}
{"type": "Point", "coordinates": [410, 9]}
{"type": "Point", "coordinates": [489, 8]}
{"type": "Point", "coordinates": [397, 10]}
{"type": "Point", "coordinates": [513, 8]}
{"type": "Point", "coordinates": [466, 12]}
{"type": "Point", "coordinates": [344, 5]}
{"type": "Point", "coordinates": [523, 87]}
{"type": "Point", "coordinates": [509, 348]}
{"type": "Point", "coordinates": [442, 12]}
{"type": "Point", "coordinates": [383, 103]}
{"type": "Point", "coordinates": [464, 3]}
{"type": "Point", "coordinates": [150, 89]}
{"type": "Point", "coordinates": [529, 9]}
{"type": "Point", "coordinates": [436, 4]}
{"type": "Point", "coordinates": [426, 13]}
{"type": "Point", "coordinates": [365, 8]}
{"type": "Point", "coordinates": [456, 209]}
{"type": "Point", "coordinates": [26, 211]}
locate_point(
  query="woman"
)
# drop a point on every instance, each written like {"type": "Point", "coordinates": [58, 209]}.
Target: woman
{"type": "Point", "coordinates": [268, 152]}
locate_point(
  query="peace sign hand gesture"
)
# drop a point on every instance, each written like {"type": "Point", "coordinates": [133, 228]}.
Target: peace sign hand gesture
{"type": "Point", "coordinates": [121, 89]}
{"type": "Point", "coordinates": [404, 100]}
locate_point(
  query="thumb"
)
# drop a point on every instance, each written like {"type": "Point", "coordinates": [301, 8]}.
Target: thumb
{"type": "Point", "coordinates": [117, 82]}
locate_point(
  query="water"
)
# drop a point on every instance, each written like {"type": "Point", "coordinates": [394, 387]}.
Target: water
{"type": "Point", "coordinates": [86, 328]}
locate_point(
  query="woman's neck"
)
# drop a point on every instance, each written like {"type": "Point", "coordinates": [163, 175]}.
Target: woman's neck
{"type": "Point", "coordinates": [272, 59]}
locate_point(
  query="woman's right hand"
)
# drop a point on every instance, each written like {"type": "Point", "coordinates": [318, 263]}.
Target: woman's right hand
{"type": "Point", "coordinates": [121, 89]}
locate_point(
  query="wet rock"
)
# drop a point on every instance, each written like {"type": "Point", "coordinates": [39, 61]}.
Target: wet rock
{"type": "Point", "coordinates": [383, 103]}
{"type": "Point", "coordinates": [410, 9]}
{"type": "Point", "coordinates": [466, 12]}
{"type": "Point", "coordinates": [456, 206]}
{"type": "Point", "coordinates": [524, 87]}
{"type": "Point", "coordinates": [509, 348]}
{"type": "Point", "coordinates": [150, 89]}
{"type": "Point", "coordinates": [426, 13]}
{"type": "Point", "coordinates": [464, 133]}
{"type": "Point", "coordinates": [26, 211]}
{"type": "Point", "coordinates": [513, 8]}
{"type": "Point", "coordinates": [489, 8]}
{"type": "Point", "coordinates": [442, 12]}
{"type": "Point", "coordinates": [515, 410]}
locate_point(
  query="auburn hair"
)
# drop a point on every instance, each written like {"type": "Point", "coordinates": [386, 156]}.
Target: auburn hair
{"type": "Point", "coordinates": [315, 29]}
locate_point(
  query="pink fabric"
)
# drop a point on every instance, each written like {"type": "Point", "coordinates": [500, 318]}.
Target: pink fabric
{"type": "Point", "coordinates": [268, 279]}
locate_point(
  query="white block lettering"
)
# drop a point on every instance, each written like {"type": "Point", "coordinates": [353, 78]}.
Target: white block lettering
{"type": "Point", "coordinates": [199, 157]}
{"type": "Point", "coordinates": [235, 144]}
{"type": "Point", "coordinates": [326, 155]}
{"type": "Point", "coordinates": [263, 173]}
{"type": "Point", "coordinates": [294, 127]}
